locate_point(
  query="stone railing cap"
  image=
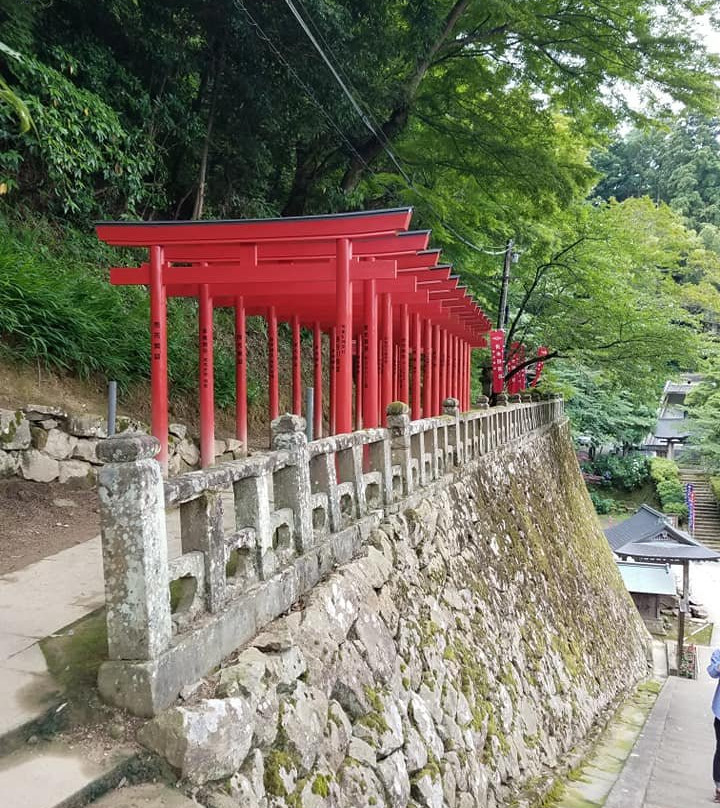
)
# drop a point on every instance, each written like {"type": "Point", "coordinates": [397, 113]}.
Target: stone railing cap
{"type": "Point", "coordinates": [397, 408]}
{"type": "Point", "coordinates": [288, 423]}
{"type": "Point", "coordinates": [128, 447]}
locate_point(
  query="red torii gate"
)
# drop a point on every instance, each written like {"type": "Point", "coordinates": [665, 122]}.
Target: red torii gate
{"type": "Point", "coordinates": [357, 276]}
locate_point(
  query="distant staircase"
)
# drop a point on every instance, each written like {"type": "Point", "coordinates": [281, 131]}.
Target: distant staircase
{"type": "Point", "coordinates": [707, 513]}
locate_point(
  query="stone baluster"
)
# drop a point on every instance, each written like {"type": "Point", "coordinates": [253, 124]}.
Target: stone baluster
{"type": "Point", "coordinates": [398, 420]}
{"type": "Point", "coordinates": [201, 528]}
{"type": "Point", "coordinates": [134, 546]}
{"type": "Point", "coordinates": [292, 483]}
{"type": "Point", "coordinates": [451, 409]}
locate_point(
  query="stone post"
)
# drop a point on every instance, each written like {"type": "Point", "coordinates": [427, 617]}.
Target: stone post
{"type": "Point", "coordinates": [451, 408]}
{"type": "Point", "coordinates": [292, 483]}
{"type": "Point", "coordinates": [134, 545]}
{"type": "Point", "coordinates": [201, 528]}
{"type": "Point", "coordinates": [483, 402]}
{"type": "Point", "coordinates": [398, 421]}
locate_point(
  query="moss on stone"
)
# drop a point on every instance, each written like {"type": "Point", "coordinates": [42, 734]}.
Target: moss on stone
{"type": "Point", "coordinates": [321, 785]}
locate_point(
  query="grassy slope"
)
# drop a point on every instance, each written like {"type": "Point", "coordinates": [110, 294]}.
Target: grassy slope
{"type": "Point", "coordinates": [64, 331]}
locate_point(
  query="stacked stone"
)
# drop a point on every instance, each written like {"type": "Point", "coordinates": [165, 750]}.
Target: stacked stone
{"type": "Point", "coordinates": [46, 444]}
{"type": "Point", "coordinates": [454, 665]}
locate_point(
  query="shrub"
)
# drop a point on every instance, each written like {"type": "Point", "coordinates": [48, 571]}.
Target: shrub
{"type": "Point", "coordinates": [715, 485]}
{"type": "Point", "coordinates": [670, 491]}
{"type": "Point", "coordinates": [679, 508]}
{"type": "Point", "coordinates": [628, 472]}
{"type": "Point", "coordinates": [663, 469]}
{"type": "Point", "coordinates": [602, 504]}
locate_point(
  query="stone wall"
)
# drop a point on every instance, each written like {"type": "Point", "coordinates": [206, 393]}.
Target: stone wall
{"type": "Point", "coordinates": [473, 642]}
{"type": "Point", "coordinates": [47, 444]}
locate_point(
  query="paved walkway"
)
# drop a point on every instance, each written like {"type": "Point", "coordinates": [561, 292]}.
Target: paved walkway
{"type": "Point", "coordinates": [671, 764]}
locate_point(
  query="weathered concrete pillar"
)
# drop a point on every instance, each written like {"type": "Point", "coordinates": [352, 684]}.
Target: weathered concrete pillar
{"type": "Point", "coordinates": [134, 544]}
{"type": "Point", "coordinates": [292, 484]}
{"type": "Point", "coordinates": [398, 421]}
{"type": "Point", "coordinates": [451, 409]}
{"type": "Point", "coordinates": [201, 528]}
{"type": "Point", "coordinates": [483, 402]}
{"type": "Point", "coordinates": [252, 509]}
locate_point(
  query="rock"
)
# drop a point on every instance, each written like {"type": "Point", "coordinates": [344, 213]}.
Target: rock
{"type": "Point", "coordinates": [86, 449]}
{"type": "Point", "coordinates": [245, 677]}
{"type": "Point", "coordinates": [77, 472]}
{"type": "Point", "coordinates": [302, 720]}
{"type": "Point", "coordinates": [280, 635]}
{"type": "Point", "coordinates": [376, 643]}
{"type": "Point", "coordinates": [360, 787]}
{"type": "Point", "coordinates": [38, 466]}
{"type": "Point", "coordinates": [56, 443]}
{"type": "Point", "coordinates": [8, 464]}
{"type": "Point", "coordinates": [188, 452]}
{"type": "Point", "coordinates": [361, 751]}
{"type": "Point", "coordinates": [176, 465]}
{"type": "Point", "coordinates": [428, 790]}
{"type": "Point", "coordinates": [220, 448]}
{"type": "Point", "coordinates": [285, 667]}
{"type": "Point", "coordinates": [179, 430]}
{"type": "Point", "coordinates": [338, 732]}
{"type": "Point", "coordinates": [39, 412]}
{"type": "Point", "coordinates": [382, 728]}
{"type": "Point", "coordinates": [425, 725]}
{"type": "Point", "coordinates": [247, 787]}
{"type": "Point", "coordinates": [234, 445]}
{"type": "Point", "coordinates": [48, 423]}
{"type": "Point", "coordinates": [87, 426]}
{"type": "Point", "coordinates": [208, 741]}
{"type": "Point", "coordinates": [353, 683]}
{"type": "Point", "coordinates": [394, 776]}
{"type": "Point", "coordinates": [14, 431]}
{"type": "Point", "coordinates": [415, 751]}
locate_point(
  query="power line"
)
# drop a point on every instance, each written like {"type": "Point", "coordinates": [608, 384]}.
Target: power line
{"type": "Point", "coordinates": [308, 90]}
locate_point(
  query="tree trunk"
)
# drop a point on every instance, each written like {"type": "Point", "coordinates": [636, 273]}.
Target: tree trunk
{"type": "Point", "coordinates": [369, 149]}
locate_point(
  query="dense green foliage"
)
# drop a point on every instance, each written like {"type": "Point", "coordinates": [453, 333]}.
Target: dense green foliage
{"type": "Point", "coordinates": [184, 108]}
{"type": "Point", "coordinates": [57, 307]}
{"type": "Point", "coordinates": [666, 476]}
{"type": "Point", "coordinates": [704, 413]}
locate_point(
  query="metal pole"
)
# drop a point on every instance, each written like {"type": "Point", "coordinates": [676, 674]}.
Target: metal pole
{"type": "Point", "coordinates": [112, 407]}
{"type": "Point", "coordinates": [309, 412]}
{"type": "Point", "coordinates": [502, 308]}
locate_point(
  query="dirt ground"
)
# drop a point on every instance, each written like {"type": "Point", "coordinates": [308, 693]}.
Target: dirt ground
{"type": "Point", "coordinates": [40, 519]}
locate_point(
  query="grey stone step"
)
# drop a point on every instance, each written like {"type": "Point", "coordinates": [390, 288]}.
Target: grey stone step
{"type": "Point", "coordinates": [53, 775]}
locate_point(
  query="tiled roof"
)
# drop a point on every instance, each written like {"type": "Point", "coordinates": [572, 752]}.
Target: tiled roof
{"type": "Point", "coordinates": [646, 535]}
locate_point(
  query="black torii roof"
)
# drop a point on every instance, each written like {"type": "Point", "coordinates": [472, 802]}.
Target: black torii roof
{"type": "Point", "coordinates": [647, 536]}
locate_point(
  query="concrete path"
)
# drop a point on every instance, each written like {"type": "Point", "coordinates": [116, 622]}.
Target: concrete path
{"type": "Point", "coordinates": [41, 599]}
{"type": "Point", "coordinates": [671, 764]}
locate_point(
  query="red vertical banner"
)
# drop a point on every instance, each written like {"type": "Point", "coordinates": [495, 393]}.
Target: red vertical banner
{"type": "Point", "coordinates": [512, 363]}
{"type": "Point", "coordinates": [497, 358]}
{"type": "Point", "coordinates": [541, 351]}
{"type": "Point", "coordinates": [522, 374]}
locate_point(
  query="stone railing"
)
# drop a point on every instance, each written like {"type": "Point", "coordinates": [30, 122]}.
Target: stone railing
{"type": "Point", "coordinates": [296, 512]}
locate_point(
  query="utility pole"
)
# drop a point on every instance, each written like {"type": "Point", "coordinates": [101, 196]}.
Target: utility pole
{"type": "Point", "coordinates": [502, 309]}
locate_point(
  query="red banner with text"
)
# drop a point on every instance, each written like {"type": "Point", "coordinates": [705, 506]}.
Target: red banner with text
{"type": "Point", "coordinates": [541, 351]}
{"type": "Point", "coordinates": [497, 358]}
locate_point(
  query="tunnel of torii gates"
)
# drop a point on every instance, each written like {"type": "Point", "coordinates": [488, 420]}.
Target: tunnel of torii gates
{"type": "Point", "coordinates": [362, 278]}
